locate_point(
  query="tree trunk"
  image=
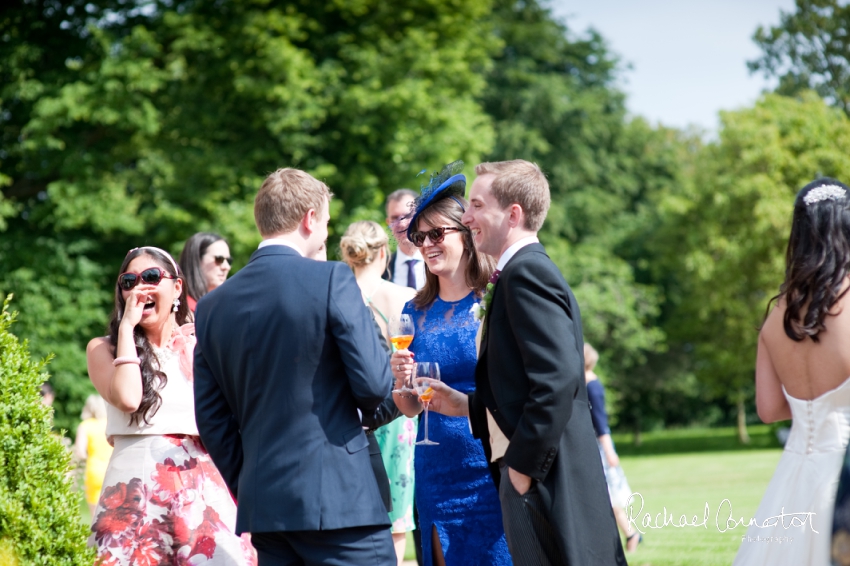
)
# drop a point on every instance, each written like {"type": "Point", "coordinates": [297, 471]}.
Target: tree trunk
{"type": "Point", "coordinates": [636, 432]}
{"type": "Point", "coordinates": [743, 436]}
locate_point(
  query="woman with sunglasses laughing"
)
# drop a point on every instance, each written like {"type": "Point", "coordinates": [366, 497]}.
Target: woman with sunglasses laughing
{"type": "Point", "coordinates": [459, 512]}
{"type": "Point", "coordinates": [205, 261]}
{"type": "Point", "coordinates": [163, 500]}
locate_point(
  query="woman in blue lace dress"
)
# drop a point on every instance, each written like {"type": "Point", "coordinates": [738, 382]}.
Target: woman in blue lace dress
{"type": "Point", "coordinates": [459, 513]}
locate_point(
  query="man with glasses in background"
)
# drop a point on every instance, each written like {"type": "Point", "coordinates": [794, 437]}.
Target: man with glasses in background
{"type": "Point", "coordinates": [406, 267]}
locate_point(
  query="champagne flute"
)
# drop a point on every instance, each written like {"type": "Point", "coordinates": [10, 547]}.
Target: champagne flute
{"type": "Point", "coordinates": [401, 330]}
{"type": "Point", "coordinates": [423, 372]}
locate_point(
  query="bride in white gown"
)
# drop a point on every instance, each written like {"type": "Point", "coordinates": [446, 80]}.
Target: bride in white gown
{"type": "Point", "coordinates": [802, 374]}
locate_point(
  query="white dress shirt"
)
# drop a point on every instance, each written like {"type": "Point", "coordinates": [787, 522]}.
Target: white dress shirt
{"type": "Point", "coordinates": [280, 242]}
{"type": "Point", "coordinates": [400, 268]}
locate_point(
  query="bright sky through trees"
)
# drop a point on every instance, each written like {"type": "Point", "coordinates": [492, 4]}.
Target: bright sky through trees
{"type": "Point", "coordinates": [688, 57]}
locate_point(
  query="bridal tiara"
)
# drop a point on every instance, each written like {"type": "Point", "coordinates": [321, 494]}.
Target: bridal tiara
{"type": "Point", "coordinates": [824, 192]}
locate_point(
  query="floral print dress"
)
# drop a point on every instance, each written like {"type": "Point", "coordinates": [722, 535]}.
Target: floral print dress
{"type": "Point", "coordinates": [163, 500]}
{"type": "Point", "coordinates": [396, 440]}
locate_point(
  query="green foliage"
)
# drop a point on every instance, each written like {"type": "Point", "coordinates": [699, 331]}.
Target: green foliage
{"type": "Point", "coordinates": [809, 50]}
{"type": "Point", "coordinates": [723, 233]}
{"type": "Point", "coordinates": [684, 440]}
{"type": "Point", "coordinates": [158, 123]}
{"type": "Point", "coordinates": [39, 511]}
{"type": "Point", "coordinates": [552, 99]}
{"type": "Point", "coordinates": [126, 124]}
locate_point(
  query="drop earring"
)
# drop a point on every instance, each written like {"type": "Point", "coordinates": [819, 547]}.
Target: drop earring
{"type": "Point", "coordinates": [176, 304]}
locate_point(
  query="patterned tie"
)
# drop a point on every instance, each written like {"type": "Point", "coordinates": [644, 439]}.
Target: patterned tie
{"type": "Point", "coordinates": [411, 273]}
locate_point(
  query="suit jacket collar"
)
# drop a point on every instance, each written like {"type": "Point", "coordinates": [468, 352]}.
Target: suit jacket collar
{"type": "Point", "coordinates": [527, 249]}
{"type": "Point", "coordinates": [512, 250]}
{"type": "Point", "coordinates": [530, 248]}
{"type": "Point", "coordinates": [274, 250]}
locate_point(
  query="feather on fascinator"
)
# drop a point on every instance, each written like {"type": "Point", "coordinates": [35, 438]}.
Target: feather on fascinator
{"type": "Point", "coordinates": [448, 183]}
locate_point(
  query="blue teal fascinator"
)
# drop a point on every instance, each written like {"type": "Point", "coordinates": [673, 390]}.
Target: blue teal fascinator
{"type": "Point", "coordinates": [448, 183]}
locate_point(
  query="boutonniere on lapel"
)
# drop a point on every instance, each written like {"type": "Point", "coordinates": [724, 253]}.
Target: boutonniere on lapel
{"type": "Point", "coordinates": [480, 310]}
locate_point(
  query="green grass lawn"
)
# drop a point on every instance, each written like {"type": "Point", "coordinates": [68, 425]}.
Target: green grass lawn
{"type": "Point", "coordinates": [683, 470]}
{"type": "Point", "coordinates": [684, 484]}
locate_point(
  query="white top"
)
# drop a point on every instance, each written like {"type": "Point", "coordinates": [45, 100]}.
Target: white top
{"type": "Point", "coordinates": [176, 415]}
{"type": "Point", "coordinates": [280, 242]}
{"type": "Point", "coordinates": [400, 269]}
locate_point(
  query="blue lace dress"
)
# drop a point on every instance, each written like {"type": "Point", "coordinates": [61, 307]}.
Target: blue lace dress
{"type": "Point", "coordinates": [454, 490]}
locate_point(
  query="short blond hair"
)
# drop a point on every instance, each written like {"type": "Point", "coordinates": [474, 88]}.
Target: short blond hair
{"type": "Point", "coordinates": [284, 198]}
{"type": "Point", "coordinates": [361, 243]}
{"type": "Point", "coordinates": [591, 356]}
{"type": "Point", "coordinates": [519, 182]}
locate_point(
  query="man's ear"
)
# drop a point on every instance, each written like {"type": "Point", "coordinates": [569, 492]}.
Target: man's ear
{"type": "Point", "coordinates": [515, 216]}
{"type": "Point", "coordinates": [308, 222]}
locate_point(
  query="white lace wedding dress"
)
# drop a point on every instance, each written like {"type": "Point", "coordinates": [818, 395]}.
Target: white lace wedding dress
{"type": "Point", "coordinates": [803, 486]}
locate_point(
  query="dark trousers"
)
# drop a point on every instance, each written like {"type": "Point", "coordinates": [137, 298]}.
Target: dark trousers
{"type": "Point", "coordinates": [355, 546]}
{"type": "Point", "coordinates": [417, 534]}
{"type": "Point", "coordinates": [529, 533]}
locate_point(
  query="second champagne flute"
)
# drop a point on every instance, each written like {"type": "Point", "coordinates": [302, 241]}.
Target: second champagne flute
{"type": "Point", "coordinates": [423, 372]}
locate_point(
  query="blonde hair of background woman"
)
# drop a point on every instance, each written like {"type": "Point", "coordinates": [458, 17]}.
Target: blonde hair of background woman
{"type": "Point", "coordinates": [362, 242]}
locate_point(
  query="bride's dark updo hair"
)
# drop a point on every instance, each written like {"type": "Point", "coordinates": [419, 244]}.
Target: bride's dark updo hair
{"type": "Point", "coordinates": [153, 379]}
{"type": "Point", "coordinates": [817, 260]}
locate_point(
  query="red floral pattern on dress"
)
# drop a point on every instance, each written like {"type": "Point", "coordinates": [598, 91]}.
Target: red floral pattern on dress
{"type": "Point", "coordinates": [166, 521]}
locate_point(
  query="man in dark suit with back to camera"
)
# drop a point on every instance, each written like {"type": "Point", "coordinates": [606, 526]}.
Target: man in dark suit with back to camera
{"type": "Point", "coordinates": [530, 406]}
{"type": "Point", "coordinates": [286, 355]}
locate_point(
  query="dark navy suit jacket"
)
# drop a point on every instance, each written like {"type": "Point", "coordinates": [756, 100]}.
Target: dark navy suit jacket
{"type": "Point", "coordinates": [286, 354]}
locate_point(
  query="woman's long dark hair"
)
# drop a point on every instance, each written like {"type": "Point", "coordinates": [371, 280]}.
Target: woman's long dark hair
{"type": "Point", "coordinates": [478, 269]}
{"type": "Point", "coordinates": [152, 378]}
{"type": "Point", "coordinates": [817, 259]}
{"type": "Point", "coordinates": [190, 262]}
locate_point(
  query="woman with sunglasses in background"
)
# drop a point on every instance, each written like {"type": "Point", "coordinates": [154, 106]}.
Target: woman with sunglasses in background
{"type": "Point", "coordinates": [205, 261]}
{"type": "Point", "coordinates": [163, 500]}
{"type": "Point", "coordinates": [459, 511]}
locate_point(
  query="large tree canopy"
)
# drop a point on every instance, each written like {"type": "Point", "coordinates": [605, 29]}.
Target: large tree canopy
{"type": "Point", "coordinates": [723, 233]}
{"type": "Point", "coordinates": [126, 123]}
{"type": "Point", "coordinates": [809, 49]}
{"type": "Point", "coordinates": [156, 123]}
{"type": "Point", "coordinates": [553, 100]}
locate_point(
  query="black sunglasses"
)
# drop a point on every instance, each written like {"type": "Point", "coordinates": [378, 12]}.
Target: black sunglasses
{"type": "Point", "coordinates": [219, 259]}
{"type": "Point", "coordinates": [436, 235]}
{"type": "Point", "coordinates": [150, 276]}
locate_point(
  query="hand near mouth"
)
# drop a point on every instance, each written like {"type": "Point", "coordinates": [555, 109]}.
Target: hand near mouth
{"type": "Point", "coordinates": [135, 306]}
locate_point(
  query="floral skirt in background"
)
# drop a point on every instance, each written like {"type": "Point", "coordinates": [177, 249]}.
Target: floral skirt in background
{"type": "Point", "coordinates": [164, 502]}
{"type": "Point", "coordinates": [396, 440]}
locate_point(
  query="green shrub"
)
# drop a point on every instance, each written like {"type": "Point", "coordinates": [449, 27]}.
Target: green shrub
{"type": "Point", "coordinates": [39, 511]}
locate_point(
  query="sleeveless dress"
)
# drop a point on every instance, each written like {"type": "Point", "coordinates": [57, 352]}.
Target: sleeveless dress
{"type": "Point", "coordinates": [396, 440]}
{"type": "Point", "coordinates": [454, 490]}
{"type": "Point", "coordinates": [163, 500]}
{"type": "Point", "coordinates": [803, 486]}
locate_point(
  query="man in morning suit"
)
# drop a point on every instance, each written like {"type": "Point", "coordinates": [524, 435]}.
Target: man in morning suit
{"type": "Point", "coordinates": [286, 355]}
{"type": "Point", "coordinates": [530, 406]}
